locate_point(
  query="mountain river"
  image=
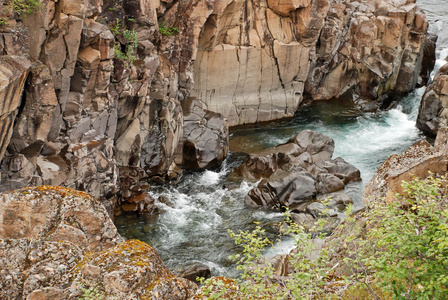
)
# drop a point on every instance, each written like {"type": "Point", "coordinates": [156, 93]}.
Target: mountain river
{"type": "Point", "coordinates": [193, 228]}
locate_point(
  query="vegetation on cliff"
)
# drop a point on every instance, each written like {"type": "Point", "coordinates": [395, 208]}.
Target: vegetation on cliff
{"type": "Point", "coordinates": [20, 7]}
{"type": "Point", "coordinates": [393, 250]}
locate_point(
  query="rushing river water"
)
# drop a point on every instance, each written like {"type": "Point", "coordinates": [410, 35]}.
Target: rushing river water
{"type": "Point", "coordinates": [193, 227]}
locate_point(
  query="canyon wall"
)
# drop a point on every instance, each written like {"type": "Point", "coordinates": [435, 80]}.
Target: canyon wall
{"type": "Point", "coordinates": [94, 92]}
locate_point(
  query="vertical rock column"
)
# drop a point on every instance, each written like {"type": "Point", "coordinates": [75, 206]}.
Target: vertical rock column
{"type": "Point", "coordinates": [13, 73]}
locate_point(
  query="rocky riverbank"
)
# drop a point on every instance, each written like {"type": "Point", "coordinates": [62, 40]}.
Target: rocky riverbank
{"type": "Point", "coordinates": [107, 96]}
{"type": "Point", "coordinates": [95, 93]}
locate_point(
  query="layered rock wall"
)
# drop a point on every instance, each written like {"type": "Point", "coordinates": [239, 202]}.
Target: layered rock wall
{"type": "Point", "coordinates": [258, 60]}
{"type": "Point", "coordinates": [94, 87]}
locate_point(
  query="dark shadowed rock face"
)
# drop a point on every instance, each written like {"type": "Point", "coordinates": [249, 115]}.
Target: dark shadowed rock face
{"type": "Point", "coordinates": [433, 110]}
{"type": "Point", "coordinates": [206, 136]}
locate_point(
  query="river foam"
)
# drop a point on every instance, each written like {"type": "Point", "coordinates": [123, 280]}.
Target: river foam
{"type": "Point", "coordinates": [193, 226]}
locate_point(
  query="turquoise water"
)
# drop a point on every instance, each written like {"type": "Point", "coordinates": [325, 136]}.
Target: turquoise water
{"type": "Point", "coordinates": [193, 228]}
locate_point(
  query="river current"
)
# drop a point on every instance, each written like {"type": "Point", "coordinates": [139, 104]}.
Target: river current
{"type": "Point", "coordinates": [192, 228]}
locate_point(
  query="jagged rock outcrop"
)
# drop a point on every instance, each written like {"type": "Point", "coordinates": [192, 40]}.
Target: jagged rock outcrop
{"type": "Point", "coordinates": [58, 243]}
{"type": "Point", "coordinates": [418, 161]}
{"type": "Point", "coordinates": [433, 109]}
{"type": "Point", "coordinates": [206, 137]}
{"type": "Point", "coordinates": [299, 175]}
{"type": "Point", "coordinates": [13, 73]}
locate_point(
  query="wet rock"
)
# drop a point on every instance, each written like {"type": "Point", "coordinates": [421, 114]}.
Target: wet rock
{"type": "Point", "coordinates": [296, 172]}
{"type": "Point", "coordinates": [206, 137]}
{"type": "Point", "coordinates": [340, 168]}
{"type": "Point", "coordinates": [264, 163]}
{"type": "Point", "coordinates": [142, 204]}
{"type": "Point", "coordinates": [433, 110]}
{"type": "Point", "coordinates": [320, 147]}
{"type": "Point", "coordinates": [283, 189]}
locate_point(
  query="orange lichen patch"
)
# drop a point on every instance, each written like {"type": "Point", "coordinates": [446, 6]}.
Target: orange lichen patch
{"type": "Point", "coordinates": [63, 191]}
{"type": "Point", "coordinates": [134, 268]}
{"type": "Point", "coordinates": [95, 144]}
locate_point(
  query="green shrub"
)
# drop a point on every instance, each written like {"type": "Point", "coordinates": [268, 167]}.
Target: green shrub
{"type": "Point", "coordinates": [168, 31]}
{"type": "Point", "coordinates": [20, 7]}
{"type": "Point", "coordinates": [131, 43]}
{"type": "Point", "coordinates": [399, 251]}
{"type": "Point", "coordinates": [410, 238]}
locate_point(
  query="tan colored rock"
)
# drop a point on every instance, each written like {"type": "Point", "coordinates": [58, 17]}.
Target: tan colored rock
{"type": "Point", "coordinates": [131, 269]}
{"type": "Point", "coordinates": [53, 214]}
{"type": "Point", "coordinates": [418, 161]}
{"type": "Point", "coordinates": [36, 119]}
{"type": "Point", "coordinates": [285, 7]}
{"type": "Point", "coordinates": [37, 270]}
{"type": "Point", "coordinates": [13, 73]}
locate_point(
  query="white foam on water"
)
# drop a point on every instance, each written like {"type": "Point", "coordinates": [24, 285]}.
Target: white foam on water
{"type": "Point", "coordinates": [281, 248]}
{"type": "Point", "coordinates": [209, 178]}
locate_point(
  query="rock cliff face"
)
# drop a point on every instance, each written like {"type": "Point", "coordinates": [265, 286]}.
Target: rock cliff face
{"type": "Point", "coordinates": [258, 60]}
{"type": "Point", "coordinates": [95, 90]}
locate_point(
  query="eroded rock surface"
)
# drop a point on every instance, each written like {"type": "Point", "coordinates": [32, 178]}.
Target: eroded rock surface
{"type": "Point", "coordinates": [58, 243]}
{"type": "Point", "coordinates": [418, 161]}
{"type": "Point", "coordinates": [299, 175]}
{"type": "Point", "coordinates": [49, 213]}
{"type": "Point", "coordinates": [108, 80]}
{"type": "Point", "coordinates": [433, 110]}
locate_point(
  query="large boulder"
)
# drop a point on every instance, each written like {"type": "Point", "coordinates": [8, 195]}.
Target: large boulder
{"type": "Point", "coordinates": [433, 110]}
{"type": "Point", "coordinates": [58, 243]}
{"type": "Point", "coordinates": [35, 269]}
{"type": "Point", "coordinates": [206, 136]}
{"type": "Point", "coordinates": [283, 189]}
{"type": "Point", "coordinates": [295, 173]}
{"type": "Point", "coordinates": [320, 147]}
{"type": "Point", "coordinates": [49, 213]}
{"type": "Point", "coordinates": [130, 270]}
